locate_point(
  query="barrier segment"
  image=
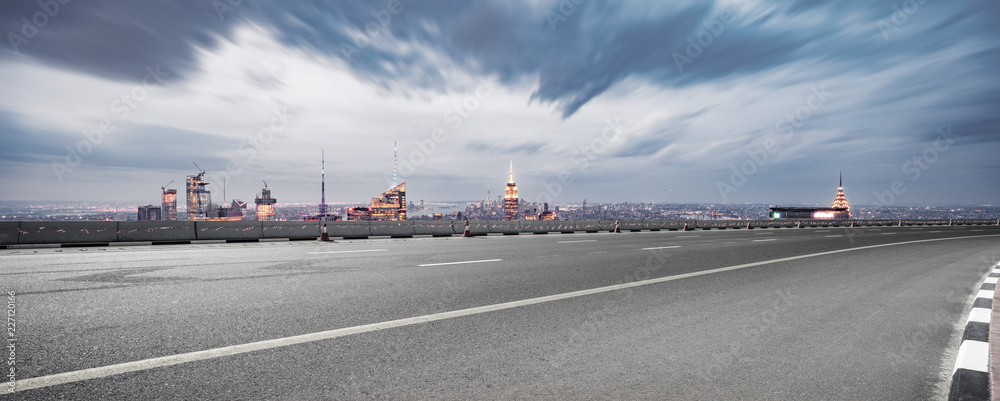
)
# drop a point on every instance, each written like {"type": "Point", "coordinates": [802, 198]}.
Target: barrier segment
{"type": "Point", "coordinates": [292, 229]}
{"type": "Point", "coordinates": [503, 227]}
{"type": "Point", "coordinates": [228, 230]}
{"type": "Point", "coordinates": [156, 231]}
{"type": "Point", "coordinates": [349, 229]}
{"type": "Point", "coordinates": [9, 231]}
{"type": "Point", "coordinates": [392, 228]}
{"type": "Point", "coordinates": [436, 228]}
{"type": "Point", "coordinates": [67, 232]}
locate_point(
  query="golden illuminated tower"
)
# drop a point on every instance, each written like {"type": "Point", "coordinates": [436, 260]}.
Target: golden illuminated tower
{"type": "Point", "coordinates": [841, 202]}
{"type": "Point", "coordinates": [510, 200]}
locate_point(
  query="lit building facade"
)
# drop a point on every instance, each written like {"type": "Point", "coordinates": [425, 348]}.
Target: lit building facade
{"type": "Point", "coordinates": [358, 214]}
{"type": "Point", "coordinates": [265, 205]}
{"type": "Point", "coordinates": [391, 205]}
{"type": "Point", "coordinates": [149, 213]}
{"type": "Point", "coordinates": [199, 199]}
{"type": "Point", "coordinates": [547, 214]}
{"type": "Point", "coordinates": [168, 205]}
{"type": "Point", "coordinates": [510, 201]}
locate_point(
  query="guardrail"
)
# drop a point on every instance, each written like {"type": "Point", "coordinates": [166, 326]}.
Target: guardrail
{"type": "Point", "coordinates": [105, 232]}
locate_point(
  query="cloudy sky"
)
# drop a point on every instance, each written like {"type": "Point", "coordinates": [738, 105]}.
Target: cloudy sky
{"type": "Point", "coordinates": [666, 101]}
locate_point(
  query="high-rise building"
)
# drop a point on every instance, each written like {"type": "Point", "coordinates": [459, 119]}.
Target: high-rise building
{"type": "Point", "coordinates": [168, 205]}
{"type": "Point", "coordinates": [265, 205]}
{"type": "Point", "coordinates": [149, 213]}
{"type": "Point", "coordinates": [510, 200]}
{"type": "Point", "coordinates": [390, 205]}
{"type": "Point", "coordinates": [547, 214]}
{"type": "Point", "coordinates": [840, 202]}
{"type": "Point", "coordinates": [199, 199]}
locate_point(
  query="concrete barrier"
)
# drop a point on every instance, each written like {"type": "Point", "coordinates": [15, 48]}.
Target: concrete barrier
{"type": "Point", "coordinates": [292, 229]}
{"type": "Point", "coordinates": [156, 231]}
{"type": "Point", "coordinates": [437, 228]}
{"type": "Point", "coordinates": [228, 230]}
{"type": "Point", "coordinates": [392, 228]}
{"type": "Point", "coordinates": [544, 227]}
{"type": "Point", "coordinates": [590, 226]}
{"type": "Point", "coordinates": [67, 232]}
{"type": "Point", "coordinates": [9, 231]}
{"type": "Point", "coordinates": [503, 227]}
{"type": "Point", "coordinates": [349, 229]}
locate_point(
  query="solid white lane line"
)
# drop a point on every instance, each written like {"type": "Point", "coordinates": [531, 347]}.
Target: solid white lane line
{"type": "Point", "coordinates": [582, 240]}
{"type": "Point", "coordinates": [459, 263]}
{"type": "Point", "coordinates": [930, 232]}
{"type": "Point", "coordinates": [354, 251]}
{"type": "Point", "coordinates": [600, 252]}
{"type": "Point", "coordinates": [834, 236]}
{"type": "Point", "coordinates": [762, 240]}
{"type": "Point", "coordinates": [660, 247]}
{"type": "Point", "coordinates": [146, 364]}
{"type": "Point", "coordinates": [888, 233]}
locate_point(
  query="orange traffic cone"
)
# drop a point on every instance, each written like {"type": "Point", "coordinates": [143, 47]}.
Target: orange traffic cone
{"type": "Point", "coordinates": [852, 223]}
{"type": "Point", "coordinates": [799, 224]}
{"type": "Point", "coordinates": [686, 227]}
{"type": "Point", "coordinates": [749, 227]}
{"type": "Point", "coordinates": [468, 232]}
{"type": "Point", "coordinates": [324, 236]}
{"type": "Point", "coordinates": [618, 226]}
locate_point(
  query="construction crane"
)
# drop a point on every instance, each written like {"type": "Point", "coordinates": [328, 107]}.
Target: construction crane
{"type": "Point", "coordinates": [199, 167]}
{"type": "Point", "coordinates": [265, 183]}
{"type": "Point", "coordinates": [163, 187]}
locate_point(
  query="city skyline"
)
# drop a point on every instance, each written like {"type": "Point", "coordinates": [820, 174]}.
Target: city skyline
{"type": "Point", "coordinates": [691, 102]}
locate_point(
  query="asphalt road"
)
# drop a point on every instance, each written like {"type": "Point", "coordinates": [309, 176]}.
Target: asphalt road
{"type": "Point", "coordinates": [857, 321]}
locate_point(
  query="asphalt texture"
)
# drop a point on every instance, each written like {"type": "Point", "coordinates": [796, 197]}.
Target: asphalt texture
{"type": "Point", "coordinates": [872, 323]}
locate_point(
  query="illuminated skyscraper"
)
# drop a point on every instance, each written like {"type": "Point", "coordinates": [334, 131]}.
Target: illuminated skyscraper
{"type": "Point", "coordinates": [841, 202]}
{"type": "Point", "coordinates": [199, 199]}
{"type": "Point", "coordinates": [510, 200]}
{"type": "Point", "coordinates": [168, 205]}
{"type": "Point", "coordinates": [265, 205]}
{"type": "Point", "coordinates": [391, 205]}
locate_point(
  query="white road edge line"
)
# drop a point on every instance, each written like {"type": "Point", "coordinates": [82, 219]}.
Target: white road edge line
{"type": "Point", "coordinates": [570, 242]}
{"type": "Point", "coordinates": [762, 240]}
{"type": "Point", "coordinates": [354, 251]}
{"type": "Point", "coordinates": [660, 247]}
{"type": "Point", "coordinates": [459, 263]}
{"type": "Point", "coordinates": [146, 364]}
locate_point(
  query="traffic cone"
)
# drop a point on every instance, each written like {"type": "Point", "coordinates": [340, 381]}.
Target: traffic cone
{"type": "Point", "coordinates": [686, 227]}
{"type": "Point", "coordinates": [618, 226]}
{"type": "Point", "coordinates": [852, 223]}
{"type": "Point", "coordinates": [749, 227]}
{"type": "Point", "coordinates": [324, 236]}
{"type": "Point", "coordinates": [468, 232]}
{"type": "Point", "coordinates": [900, 223]}
{"type": "Point", "coordinates": [951, 224]}
{"type": "Point", "coordinates": [799, 224]}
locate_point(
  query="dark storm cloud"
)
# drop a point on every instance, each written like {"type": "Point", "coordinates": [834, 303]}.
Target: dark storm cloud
{"type": "Point", "coordinates": [593, 47]}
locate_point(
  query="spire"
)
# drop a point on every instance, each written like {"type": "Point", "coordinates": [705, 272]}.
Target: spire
{"type": "Point", "coordinates": [511, 180]}
{"type": "Point", "coordinates": [393, 164]}
{"type": "Point", "coordinates": [841, 178]}
{"type": "Point", "coordinates": [322, 199]}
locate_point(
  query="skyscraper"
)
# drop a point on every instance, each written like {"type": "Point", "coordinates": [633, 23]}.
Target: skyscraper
{"type": "Point", "coordinates": [265, 205]}
{"type": "Point", "coordinates": [168, 205]}
{"type": "Point", "coordinates": [840, 202]}
{"type": "Point", "coordinates": [199, 199]}
{"type": "Point", "coordinates": [390, 205]}
{"type": "Point", "coordinates": [510, 201]}
{"type": "Point", "coordinates": [149, 213]}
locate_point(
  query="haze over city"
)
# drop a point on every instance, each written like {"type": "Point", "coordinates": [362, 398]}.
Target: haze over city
{"type": "Point", "coordinates": [690, 101]}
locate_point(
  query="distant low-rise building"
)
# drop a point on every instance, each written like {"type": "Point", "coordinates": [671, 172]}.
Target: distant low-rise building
{"type": "Point", "coordinates": [150, 213]}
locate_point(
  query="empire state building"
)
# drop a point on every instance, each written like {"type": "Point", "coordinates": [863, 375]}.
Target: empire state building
{"type": "Point", "coordinates": [510, 200]}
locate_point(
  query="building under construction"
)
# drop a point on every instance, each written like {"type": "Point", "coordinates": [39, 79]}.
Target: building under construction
{"type": "Point", "coordinates": [265, 205]}
{"type": "Point", "coordinates": [199, 199]}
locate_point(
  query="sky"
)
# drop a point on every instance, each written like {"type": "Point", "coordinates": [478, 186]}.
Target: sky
{"type": "Point", "coordinates": [644, 101]}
